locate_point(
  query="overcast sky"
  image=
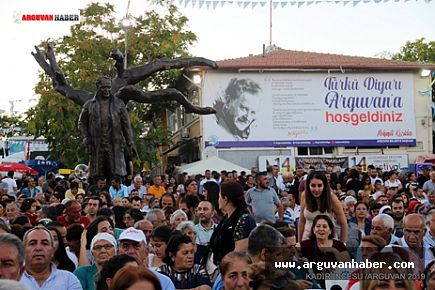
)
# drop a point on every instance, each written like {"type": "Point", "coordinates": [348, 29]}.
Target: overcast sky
{"type": "Point", "coordinates": [367, 29]}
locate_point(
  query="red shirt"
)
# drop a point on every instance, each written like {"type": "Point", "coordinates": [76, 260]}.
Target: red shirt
{"type": "Point", "coordinates": [84, 221]}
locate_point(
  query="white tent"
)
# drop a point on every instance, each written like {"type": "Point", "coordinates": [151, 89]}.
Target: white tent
{"type": "Point", "coordinates": [212, 163]}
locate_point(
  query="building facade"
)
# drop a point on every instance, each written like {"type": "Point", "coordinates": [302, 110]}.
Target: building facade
{"type": "Point", "coordinates": [294, 108]}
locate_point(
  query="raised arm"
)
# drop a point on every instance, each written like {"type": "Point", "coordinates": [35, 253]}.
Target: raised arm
{"type": "Point", "coordinates": [302, 221]}
{"type": "Point", "coordinates": [341, 218]}
{"type": "Point", "coordinates": [57, 76]}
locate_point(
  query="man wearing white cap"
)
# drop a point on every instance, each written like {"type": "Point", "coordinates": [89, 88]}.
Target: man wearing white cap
{"type": "Point", "coordinates": [133, 242]}
{"type": "Point", "coordinates": [103, 247]}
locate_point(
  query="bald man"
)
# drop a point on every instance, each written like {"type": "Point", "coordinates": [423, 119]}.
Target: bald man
{"type": "Point", "coordinates": [414, 229]}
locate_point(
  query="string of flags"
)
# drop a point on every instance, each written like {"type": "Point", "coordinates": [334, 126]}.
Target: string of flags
{"type": "Point", "coordinates": [213, 4]}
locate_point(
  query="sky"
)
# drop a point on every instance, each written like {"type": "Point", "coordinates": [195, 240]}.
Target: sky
{"type": "Point", "coordinates": [366, 29]}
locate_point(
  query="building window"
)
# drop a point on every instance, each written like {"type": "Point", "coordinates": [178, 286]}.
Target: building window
{"type": "Point", "coordinates": [305, 151]}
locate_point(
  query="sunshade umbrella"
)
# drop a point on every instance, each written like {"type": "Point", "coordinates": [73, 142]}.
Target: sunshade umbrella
{"type": "Point", "coordinates": [17, 167]}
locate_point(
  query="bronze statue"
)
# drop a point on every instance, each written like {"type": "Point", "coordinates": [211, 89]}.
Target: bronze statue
{"type": "Point", "coordinates": [105, 128]}
{"type": "Point", "coordinates": [116, 92]}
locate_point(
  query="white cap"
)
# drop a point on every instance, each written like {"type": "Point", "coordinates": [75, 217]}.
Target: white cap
{"type": "Point", "coordinates": [385, 207]}
{"type": "Point", "coordinates": [350, 199]}
{"type": "Point", "coordinates": [104, 236]}
{"type": "Point", "coordinates": [133, 234]}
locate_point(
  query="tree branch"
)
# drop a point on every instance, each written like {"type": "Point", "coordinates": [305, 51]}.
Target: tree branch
{"type": "Point", "coordinates": [132, 93]}
{"type": "Point", "coordinates": [132, 76]}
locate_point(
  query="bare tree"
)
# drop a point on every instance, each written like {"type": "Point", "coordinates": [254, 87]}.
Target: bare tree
{"type": "Point", "coordinates": [123, 84]}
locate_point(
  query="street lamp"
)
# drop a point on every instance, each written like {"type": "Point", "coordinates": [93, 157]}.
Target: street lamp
{"type": "Point", "coordinates": [125, 25]}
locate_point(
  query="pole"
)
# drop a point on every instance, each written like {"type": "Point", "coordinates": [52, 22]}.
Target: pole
{"type": "Point", "coordinates": [270, 23]}
{"type": "Point", "coordinates": [125, 49]}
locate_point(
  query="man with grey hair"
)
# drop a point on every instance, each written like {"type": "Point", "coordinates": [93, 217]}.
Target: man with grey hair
{"type": "Point", "coordinates": [382, 226]}
{"type": "Point", "coordinates": [138, 185]}
{"type": "Point", "coordinates": [265, 243]}
{"type": "Point", "coordinates": [145, 226]}
{"type": "Point", "coordinates": [40, 273]}
{"type": "Point", "coordinates": [156, 216]}
{"type": "Point", "coordinates": [414, 230]}
{"type": "Point", "coordinates": [11, 257]}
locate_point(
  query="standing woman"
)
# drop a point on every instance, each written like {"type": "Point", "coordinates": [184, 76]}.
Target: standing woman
{"type": "Point", "coordinates": [318, 199]}
{"type": "Point", "coordinates": [232, 232]}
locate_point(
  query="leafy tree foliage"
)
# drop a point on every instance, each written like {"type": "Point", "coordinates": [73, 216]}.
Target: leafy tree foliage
{"type": "Point", "coordinates": [417, 51]}
{"type": "Point", "coordinates": [84, 55]}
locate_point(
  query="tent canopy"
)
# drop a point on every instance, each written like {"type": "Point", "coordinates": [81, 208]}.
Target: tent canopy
{"type": "Point", "coordinates": [212, 163]}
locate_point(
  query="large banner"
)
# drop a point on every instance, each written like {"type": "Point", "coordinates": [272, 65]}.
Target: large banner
{"type": "Point", "coordinates": [386, 162]}
{"type": "Point", "coordinates": [321, 162]}
{"type": "Point", "coordinates": [309, 109]}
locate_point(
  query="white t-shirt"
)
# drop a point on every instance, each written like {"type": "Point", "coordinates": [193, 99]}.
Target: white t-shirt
{"type": "Point", "coordinates": [11, 185]}
{"type": "Point", "coordinates": [396, 183]}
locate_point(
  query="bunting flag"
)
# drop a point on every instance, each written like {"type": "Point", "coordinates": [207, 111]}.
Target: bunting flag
{"type": "Point", "coordinates": [278, 3]}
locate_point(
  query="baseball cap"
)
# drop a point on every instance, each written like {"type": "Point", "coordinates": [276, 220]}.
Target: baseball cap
{"type": "Point", "coordinates": [103, 236]}
{"type": "Point", "coordinates": [133, 234]}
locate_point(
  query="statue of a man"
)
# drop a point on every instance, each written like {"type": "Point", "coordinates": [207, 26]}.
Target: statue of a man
{"type": "Point", "coordinates": [106, 132]}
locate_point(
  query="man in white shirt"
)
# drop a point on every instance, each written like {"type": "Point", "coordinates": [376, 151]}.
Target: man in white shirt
{"type": "Point", "coordinates": [40, 272]}
{"type": "Point", "coordinates": [12, 184]}
{"type": "Point", "coordinates": [208, 178]}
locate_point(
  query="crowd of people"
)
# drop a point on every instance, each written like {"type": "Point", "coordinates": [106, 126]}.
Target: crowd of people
{"type": "Point", "coordinates": [220, 230]}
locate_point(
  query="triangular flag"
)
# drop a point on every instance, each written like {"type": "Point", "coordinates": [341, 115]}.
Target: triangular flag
{"type": "Point", "coordinates": [309, 3]}
{"type": "Point", "coordinates": [275, 5]}
{"type": "Point", "coordinates": [337, 2]}
{"type": "Point", "coordinates": [300, 3]}
{"type": "Point", "coordinates": [254, 4]}
{"type": "Point", "coordinates": [215, 3]}
{"type": "Point", "coordinates": [207, 4]}
{"type": "Point", "coordinates": [355, 2]}
{"type": "Point", "coordinates": [201, 3]}
{"type": "Point", "coordinates": [318, 2]}
{"type": "Point", "coordinates": [293, 3]}
{"type": "Point", "coordinates": [223, 3]}
{"type": "Point", "coordinates": [283, 4]}
{"type": "Point", "coordinates": [345, 3]}
{"type": "Point", "coordinates": [262, 4]}
{"type": "Point", "coordinates": [193, 3]}
{"type": "Point", "coordinates": [239, 4]}
{"type": "Point", "coordinates": [245, 4]}
{"type": "Point", "coordinates": [186, 2]}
